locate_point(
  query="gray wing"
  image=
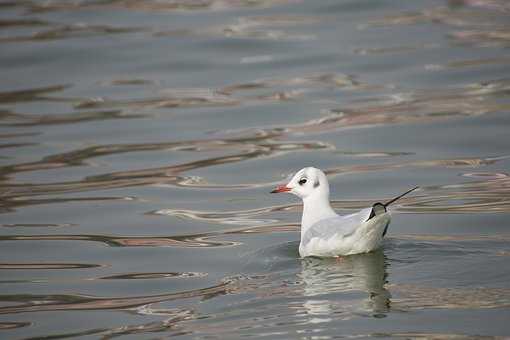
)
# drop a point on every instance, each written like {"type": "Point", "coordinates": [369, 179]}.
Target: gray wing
{"type": "Point", "coordinates": [340, 225]}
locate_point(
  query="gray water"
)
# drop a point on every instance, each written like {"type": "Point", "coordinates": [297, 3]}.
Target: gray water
{"type": "Point", "coordinates": [140, 140]}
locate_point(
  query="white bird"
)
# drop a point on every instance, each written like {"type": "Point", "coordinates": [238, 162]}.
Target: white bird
{"type": "Point", "coordinates": [324, 233]}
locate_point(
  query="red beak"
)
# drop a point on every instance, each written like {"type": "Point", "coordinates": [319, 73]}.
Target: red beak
{"type": "Point", "coordinates": [281, 188]}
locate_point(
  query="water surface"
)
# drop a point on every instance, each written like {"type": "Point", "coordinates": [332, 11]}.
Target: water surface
{"type": "Point", "coordinates": [139, 141]}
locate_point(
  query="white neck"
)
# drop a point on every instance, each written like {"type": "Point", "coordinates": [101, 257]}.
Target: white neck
{"type": "Point", "coordinates": [315, 208]}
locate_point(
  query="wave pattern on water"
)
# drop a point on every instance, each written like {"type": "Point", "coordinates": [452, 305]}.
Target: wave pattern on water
{"type": "Point", "coordinates": [39, 265]}
{"type": "Point", "coordinates": [34, 303]}
{"type": "Point", "coordinates": [140, 140]}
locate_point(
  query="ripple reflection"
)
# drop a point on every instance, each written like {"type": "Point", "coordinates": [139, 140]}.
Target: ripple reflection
{"type": "Point", "coordinates": [38, 265]}
{"type": "Point", "coordinates": [365, 273]}
{"type": "Point", "coordinates": [36, 303]}
{"type": "Point", "coordinates": [204, 240]}
{"type": "Point", "coordinates": [147, 276]}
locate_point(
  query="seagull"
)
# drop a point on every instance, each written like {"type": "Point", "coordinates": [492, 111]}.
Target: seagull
{"type": "Point", "coordinates": [324, 233]}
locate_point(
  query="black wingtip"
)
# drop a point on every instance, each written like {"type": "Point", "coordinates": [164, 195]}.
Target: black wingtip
{"type": "Point", "coordinates": [374, 211]}
{"type": "Point", "coordinates": [379, 205]}
{"type": "Point", "coordinates": [399, 197]}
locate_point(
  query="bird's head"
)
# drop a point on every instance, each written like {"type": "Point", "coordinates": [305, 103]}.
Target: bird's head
{"type": "Point", "coordinates": [307, 182]}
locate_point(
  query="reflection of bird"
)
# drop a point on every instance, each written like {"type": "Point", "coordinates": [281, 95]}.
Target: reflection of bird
{"type": "Point", "coordinates": [325, 233]}
{"type": "Point", "coordinates": [364, 272]}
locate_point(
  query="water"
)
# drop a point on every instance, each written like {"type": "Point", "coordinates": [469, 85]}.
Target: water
{"type": "Point", "coordinates": [140, 139]}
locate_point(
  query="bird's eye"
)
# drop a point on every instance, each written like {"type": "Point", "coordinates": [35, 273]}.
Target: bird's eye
{"type": "Point", "coordinates": [302, 181]}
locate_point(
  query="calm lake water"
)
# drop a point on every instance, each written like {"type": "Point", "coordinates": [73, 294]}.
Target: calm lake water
{"type": "Point", "coordinates": [140, 139]}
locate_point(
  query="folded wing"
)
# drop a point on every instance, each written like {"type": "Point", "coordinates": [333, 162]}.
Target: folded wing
{"type": "Point", "coordinates": [336, 226]}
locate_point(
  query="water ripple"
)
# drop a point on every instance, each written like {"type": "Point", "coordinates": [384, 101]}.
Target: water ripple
{"type": "Point", "coordinates": [36, 303]}
{"type": "Point", "coordinates": [38, 225]}
{"type": "Point", "coordinates": [176, 98]}
{"type": "Point", "coordinates": [255, 147]}
{"type": "Point", "coordinates": [10, 204]}
{"type": "Point", "coordinates": [435, 336]}
{"type": "Point", "coordinates": [451, 15]}
{"type": "Point", "coordinates": [478, 28]}
{"type": "Point", "coordinates": [148, 276]}
{"type": "Point", "coordinates": [233, 85]}
{"type": "Point", "coordinates": [69, 31]}
{"type": "Point", "coordinates": [426, 106]}
{"type": "Point", "coordinates": [242, 217]}
{"type": "Point", "coordinates": [149, 5]}
{"type": "Point", "coordinates": [35, 94]}
{"type": "Point", "coordinates": [489, 195]}
{"type": "Point", "coordinates": [12, 325]}
{"type": "Point", "coordinates": [186, 241]}
{"type": "Point", "coordinates": [407, 296]}
{"type": "Point", "coordinates": [38, 265]}
{"type": "Point", "coordinates": [25, 120]}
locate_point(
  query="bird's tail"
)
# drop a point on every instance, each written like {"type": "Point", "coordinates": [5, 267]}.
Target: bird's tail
{"type": "Point", "coordinates": [380, 208]}
{"type": "Point", "coordinates": [399, 197]}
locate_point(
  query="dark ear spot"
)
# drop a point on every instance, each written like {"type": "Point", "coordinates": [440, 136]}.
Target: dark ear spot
{"type": "Point", "coordinates": [316, 184]}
